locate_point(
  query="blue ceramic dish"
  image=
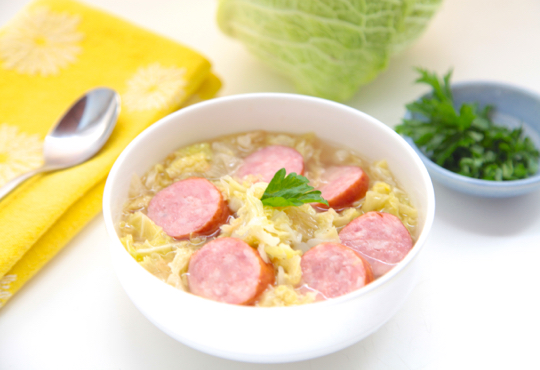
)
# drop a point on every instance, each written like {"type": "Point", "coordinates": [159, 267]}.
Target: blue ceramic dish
{"type": "Point", "coordinates": [514, 107]}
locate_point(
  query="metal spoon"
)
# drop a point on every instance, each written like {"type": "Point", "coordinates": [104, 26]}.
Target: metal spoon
{"type": "Point", "coordinates": [80, 134]}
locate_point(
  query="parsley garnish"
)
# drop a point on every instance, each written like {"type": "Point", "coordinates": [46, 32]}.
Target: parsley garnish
{"type": "Point", "coordinates": [292, 190]}
{"type": "Point", "coordinates": [466, 142]}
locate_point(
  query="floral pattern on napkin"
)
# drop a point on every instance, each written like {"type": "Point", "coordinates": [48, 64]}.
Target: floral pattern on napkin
{"type": "Point", "coordinates": [155, 87]}
{"type": "Point", "coordinates": [19, 152]}
{"type": "Point", "coordinates": [41, 42]}
{"type": "Point", "coordinates": [5, 285]}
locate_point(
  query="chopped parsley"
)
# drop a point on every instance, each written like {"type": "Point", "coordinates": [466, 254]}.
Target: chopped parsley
{"type": "Point", "coordinates": [466, 141]}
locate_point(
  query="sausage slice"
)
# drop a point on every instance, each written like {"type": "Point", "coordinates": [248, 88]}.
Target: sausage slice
{"type": "Point", "coordinates": [191, 206]}
{"type": "Point", "coordinates": [342, 186]}
{"type": "Point", "coordinates": [334, 269]}
{"type": "Point", "coordinates": [381, 238]}
{"type": "Point", "coordinates": [229, 270]}
{"type": "Point", "coordinates": [269, 160]}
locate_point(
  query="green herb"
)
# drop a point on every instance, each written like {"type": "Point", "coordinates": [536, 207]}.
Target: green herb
{"type": "Point", "coordinates": [292, 190]}
{"type": "Point", "coordinates": [466, 141]}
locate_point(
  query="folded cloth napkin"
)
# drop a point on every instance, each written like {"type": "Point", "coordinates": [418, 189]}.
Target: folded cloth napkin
{"type": "Point", "coordinates": [51, 53]}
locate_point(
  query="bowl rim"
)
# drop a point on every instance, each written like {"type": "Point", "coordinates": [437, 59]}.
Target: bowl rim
{"type": "Point", "coordinates": [493, 184]}
{"type": "Point", "coordinates": [497, 83]}
{"type": "Point", "coordinates": [232, 99]}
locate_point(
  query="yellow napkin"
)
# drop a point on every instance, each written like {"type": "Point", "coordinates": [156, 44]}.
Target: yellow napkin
{"type": "Point", "coordinates": [51, 53]}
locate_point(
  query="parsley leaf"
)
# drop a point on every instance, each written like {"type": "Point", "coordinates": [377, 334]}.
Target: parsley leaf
{"type": "Point", "coordinates": [292, 190]}
{"type": "Point", "coordinates": [466, 140]}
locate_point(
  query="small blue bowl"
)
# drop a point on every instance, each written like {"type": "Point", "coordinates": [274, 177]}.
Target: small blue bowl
{"type": "Point", "coordinates": [513, 107]}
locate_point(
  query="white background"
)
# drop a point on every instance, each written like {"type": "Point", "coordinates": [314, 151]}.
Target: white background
{"type": "Point", "coordinates": [477, 305]}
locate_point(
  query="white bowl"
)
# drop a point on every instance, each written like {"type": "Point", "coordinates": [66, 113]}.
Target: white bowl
{"type": "Point", "coordinates": [278, 334]}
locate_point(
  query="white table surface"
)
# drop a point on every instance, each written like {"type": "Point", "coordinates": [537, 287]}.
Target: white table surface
{"type": "Point", "coordinates": [477, 305]}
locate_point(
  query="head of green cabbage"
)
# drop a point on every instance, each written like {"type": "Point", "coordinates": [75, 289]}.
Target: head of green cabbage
{"type": "Point", "coordinates": [329, 48]}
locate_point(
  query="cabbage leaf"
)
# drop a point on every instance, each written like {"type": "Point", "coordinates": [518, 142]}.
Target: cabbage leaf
{"type": "Point", "coordinates": [329, 48]}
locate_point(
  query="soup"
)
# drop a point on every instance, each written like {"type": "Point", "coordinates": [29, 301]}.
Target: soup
{"type": "Point", "coordinates": [196, 221]}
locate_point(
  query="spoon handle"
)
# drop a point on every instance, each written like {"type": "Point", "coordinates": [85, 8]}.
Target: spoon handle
{"type": "Point", "coordinates": [13, 183]}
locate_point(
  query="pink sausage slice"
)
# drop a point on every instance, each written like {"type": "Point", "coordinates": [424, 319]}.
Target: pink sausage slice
{"type": "Point", "coordinates": [342, 186]}
{"type": "Point", "coordinates": [192, 206]}
{"type": "Point", "coordinates": [381, 238]}
{"type": "Point", "coordinates": [334, 269]}
{"type": "Point", "coordinates": [267, 161]}
{"type": "Point", "coordinates": [228, 270]}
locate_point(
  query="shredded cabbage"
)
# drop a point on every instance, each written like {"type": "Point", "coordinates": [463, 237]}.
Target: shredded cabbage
{"type": "Point", "coordinates": [157, 178]}
{"type": "Point", "coordinates": [138, 250]}
{"type": "Point", "coordinates": [280, 139]}
{"type": "Point", "coordinates": [383, 198]}
{"type": "Point", "coordinates": [139, 197]}
{"type": "Point", "coordinates": [142, 237]}
{"type": "Point", "coordinates": [386, 196]}
{"type": "Point", "coordinates": [179, 266]}
{"type": "Point", "coordinates": [158, 265]}
{"type": "Point", "coordinates": [287, 261]}
{"type": "Point", "coordinates": [143, 228]}
{"type": "Point", "coordinates": [284, 295]}
{"type": "Point", "coordinates": [225, 160]}
{"type": "Point", "coordinates": [194, 158]}
{"type": "Point", "coordinates": [161, 255]}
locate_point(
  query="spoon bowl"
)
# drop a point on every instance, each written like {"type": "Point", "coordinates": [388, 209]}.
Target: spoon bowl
{"type": "Point", "coordinates": [78, 135]}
